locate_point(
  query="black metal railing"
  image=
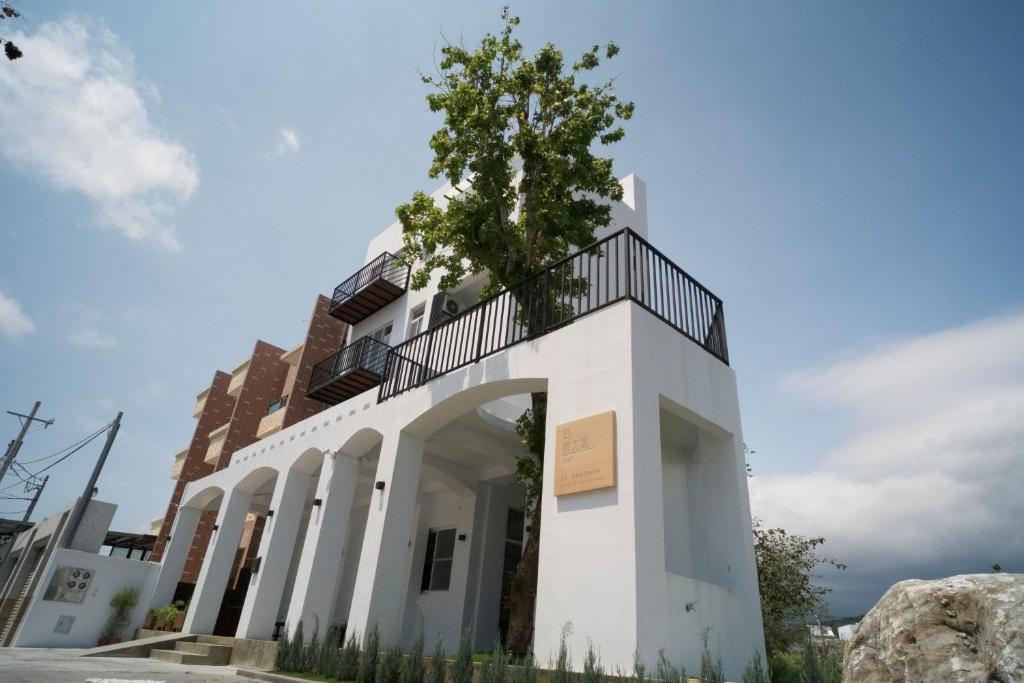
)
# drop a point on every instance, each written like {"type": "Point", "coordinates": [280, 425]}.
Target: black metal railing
{"type": "Point", "coordinates": [620, 266]}
{"type": "Point", "coordinates": [384, 267]}
{"type": "Point", "coordinates": [364, 353]}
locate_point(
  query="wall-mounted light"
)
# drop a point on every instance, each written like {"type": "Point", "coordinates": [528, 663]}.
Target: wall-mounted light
{"type": "Point", "coordinates": [168, 538]}
{"type": "Point", "coordinates": [318, 502]}
{"type": "Point", "coordinates": [379, 486]}
{"type": "Point", "coordinates": [462, 537]}
{"type": "Point", "coordinates": [216, 526]}
{"type": "Point", "coordinates": [270, 513]}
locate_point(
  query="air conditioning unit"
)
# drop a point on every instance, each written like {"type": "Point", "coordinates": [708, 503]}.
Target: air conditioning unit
{"type": "Point", "coordinates": [450, 306]}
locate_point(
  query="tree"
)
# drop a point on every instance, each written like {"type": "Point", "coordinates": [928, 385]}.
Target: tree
{"type": "Point", "coordinates": [785, 571]}
{"type": "Point", "coordinates": [518, 138]}
{"type": "Point", "coordinates": [10, 49]}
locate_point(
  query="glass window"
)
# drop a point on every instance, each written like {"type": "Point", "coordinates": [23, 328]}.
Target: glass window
{"type": "Point", "coordinates": [383, 334]}
{"type": "Point", "coordinates": [277, 405]}
{"type": "Point", "coordinates": [416, 321]}
{"type": "Point", "coordinates": [437, 562]}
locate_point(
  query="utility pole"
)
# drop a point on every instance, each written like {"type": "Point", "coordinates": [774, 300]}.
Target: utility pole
{"type": "Point", "coordinates": [83, 501]}
{"type": "Point", "coordinates": [35, 498]}
{"type": "Point", "coordinates": [15, 446]}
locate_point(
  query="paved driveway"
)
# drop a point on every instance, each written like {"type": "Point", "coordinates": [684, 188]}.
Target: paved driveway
{"type": "Point", "coordinates": [36, 665]}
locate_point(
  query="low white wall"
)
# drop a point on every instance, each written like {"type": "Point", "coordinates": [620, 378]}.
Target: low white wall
{"type": "Point", "coordinates": [110, 574]}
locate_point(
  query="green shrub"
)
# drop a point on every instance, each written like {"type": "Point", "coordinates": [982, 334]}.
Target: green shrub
{"type": "Point", "coordinates": [371, 655]}
{"type": "Point", "coordinates": [784, 667]}
{"type": "Point", "coordinates": [329, 651]}
{"type": "Point", "coordinates": [297, 651]}
{"type": "Point", "coordinates": [438, 665]}
{"type": "Point", "coordinates": [283, 657]}
{"type": "Point", "coordinates": [561, 673]}
{"type": "Point", "coordinates": [347, 666]}
{"type": "Point", "coordinates": [667, 671]}
{"type": "Point", "coordinates": [639, 668]}
{"type": "Point", "coordinates": [390, 668]}
{"type": "Point", "coordinates": [311, 653]}
{"type": "Point", "coordinates": [121, 606]}
{"type": "Point", "coordinates": [412, 670]}
{"type": "Point", "coordinates": [754, 671]}
{"type": "Point", "coordinates": [593, 670]}
{"type": "Point", "coordinates": [526, 671]}
{"type": "Point", "coordinates": [711, 669]}
{"type": "Point", "coordinates": [822, 663]}
{"type": "Point", "coordinates": [462, 669]}
{"type": "Point", "coordinates": [494, 669]}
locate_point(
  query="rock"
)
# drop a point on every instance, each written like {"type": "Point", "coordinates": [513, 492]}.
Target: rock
{"type": "Point", "coordinates": [964, 629]}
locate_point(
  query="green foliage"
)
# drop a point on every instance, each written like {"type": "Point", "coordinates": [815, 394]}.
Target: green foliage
{"type": "Point", "coordinates": [438, 666]}
{"type": "Point", "coordinates": [639, 668]}
{"type": "Point", "coordinates": [822, 663]}
{"type": "Point", "coordinates": [330, 652]}
{"type": "Point", "coordinates": [530, 468]}
{"type": "Point", "coordinates": [122, 604]}
{"type": "Point", "coordinates": [711, 670]}
{"type": "Point", "coordinates": [755, 671]}
{"type": "Point", "coordinates": [297, 651]}
{"type": "Point", "coordinates": [525, 671]}
{"type": "Point", "coordinates": [347, 667]}
{"type": "Point", "coordinates": [785, 667]}
{"type": "Point", "coordinates": [168, 613]}
{"type": "Point", "coordinates": [311, 653]}
{"type": "Point", "coordinates": [562, 672]}
{"type": "Point", "coordinates": [282, 659]}
{"type": "Point", "coordinates": [505, 112]}
{"type": "Point", "coordinates": [371, 655]}
{"type": "Point", "coordinates": [667, 671]}
{"type": "Point", "coordinates": [593, 669]}
{"type": "Point", "coordinates": [390, 667]}
{"type": "Point", "coordinates": [412, 671]}
{"type": "Point", "coordinates": [462, 669]}
{"type": "Point", "coordinates": [494, 668]}
{"type": "Point", "coordinates": [786, 566]}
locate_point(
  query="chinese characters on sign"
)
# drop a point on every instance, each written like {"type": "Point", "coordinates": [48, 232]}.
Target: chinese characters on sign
{"type": "Point", "coordinates": [585, 454]}
{"type": "Point", "coordinates": [69, 584]}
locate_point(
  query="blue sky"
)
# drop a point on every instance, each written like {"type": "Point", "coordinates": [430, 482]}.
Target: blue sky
{"type": "Point", "coordinates": [179, 180]}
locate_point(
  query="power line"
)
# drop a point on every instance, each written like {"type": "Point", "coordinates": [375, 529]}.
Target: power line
{"type": "Point", "coordinates": [68, 455]}
{"type": "Point", "coordinates": [85, 439]}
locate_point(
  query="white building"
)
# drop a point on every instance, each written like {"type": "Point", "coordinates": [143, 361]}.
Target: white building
{"type": "Point", "coordinates": [399, 503]}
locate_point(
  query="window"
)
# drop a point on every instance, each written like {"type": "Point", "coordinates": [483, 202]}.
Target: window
{"type": "Point", "coordinates": [277, 405]}
{"type": "Point", "coordinates": [515, 524]}
{"type": "Point", "coordinates": [382, 334]}
{"type": "Point", "coordinates": [416, 321]}
{"type": "Point", "coordinates": [437, 564]}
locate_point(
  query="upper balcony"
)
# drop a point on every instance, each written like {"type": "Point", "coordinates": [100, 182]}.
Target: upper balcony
{"type": "Point", "coordinates": [377, 284]}
{"type": "Point", "coordinates": [351, 371]}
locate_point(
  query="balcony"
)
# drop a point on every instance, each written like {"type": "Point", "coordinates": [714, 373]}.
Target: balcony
{"type": "Point", "coordinates": [377, 284]}
{"type": "Point", "coordinates": [351, 371]}
{"type": "Point", "coordinates": [217, 437]}
{"type": "Point", "coordinates": [620, 267]}
{"type": "Point", "coordinates": [179, 462]}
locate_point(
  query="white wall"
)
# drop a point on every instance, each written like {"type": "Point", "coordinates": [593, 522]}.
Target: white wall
{"type": "Point", "coordinates": [110, 574]}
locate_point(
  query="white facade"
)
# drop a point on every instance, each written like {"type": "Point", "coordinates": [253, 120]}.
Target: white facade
{"type": "Point", "coordinates": [359, 491]}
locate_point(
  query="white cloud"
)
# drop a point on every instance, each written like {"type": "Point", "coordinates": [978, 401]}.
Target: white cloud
{"type": "Point", "coordinates": [14, 322]}
{"type": "Point", "coordinates": [289, 141]}
{"type": "Point", "coordinates": [74, 111]}
{"type": "Point", "coordinates": [931, 477]}
{"type": "Point", "coordinates": [93, 339]}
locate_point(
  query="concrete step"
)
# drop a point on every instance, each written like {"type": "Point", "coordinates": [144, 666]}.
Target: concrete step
{"type": "Point", "coordinates": [177, 657]}
{"type": "Point", "coordinates": [217, 655]}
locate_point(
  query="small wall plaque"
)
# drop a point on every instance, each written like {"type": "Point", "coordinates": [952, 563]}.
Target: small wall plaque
{"type": "Point", "coordinates": [585, 454]}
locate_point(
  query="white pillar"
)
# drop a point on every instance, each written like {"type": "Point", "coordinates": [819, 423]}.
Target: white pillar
{"type": "Point", "coordinates": [316, 580]}
{"type": "Point", "coordinates": [380, 589]}
{"type": "Point", "coordinates": [220, 555]}
{"type": "Point", "coordinates": [175, 555]}
{"type": "Point", "coordinates": [259, 612]}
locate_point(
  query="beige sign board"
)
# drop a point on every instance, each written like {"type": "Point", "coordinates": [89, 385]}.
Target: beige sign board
{"type": "Point", "coordinates": [585, 454]}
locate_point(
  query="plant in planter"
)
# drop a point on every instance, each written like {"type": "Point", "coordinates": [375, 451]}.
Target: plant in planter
{"type": "Point", "coordinates": [121, 604]}
{"type": "Point", "coordinates": [169, 617]}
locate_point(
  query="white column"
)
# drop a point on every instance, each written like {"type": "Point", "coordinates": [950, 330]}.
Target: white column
{"type": "Point", "coordinates": [259, 612]}
{"type": "Point", "coordinates": [220, 555]}
{"type": "Point", "coordinates": [380, 589]}
{"type": "Point", "coordinates": [316, 580]}
{"type": "Point", "coordinates": [175, 555]}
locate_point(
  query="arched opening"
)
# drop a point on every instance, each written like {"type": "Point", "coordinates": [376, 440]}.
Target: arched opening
{"type": "Point", "coordinates": [469, 527]}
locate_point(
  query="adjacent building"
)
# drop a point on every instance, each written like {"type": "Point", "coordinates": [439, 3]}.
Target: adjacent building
{"type": "Point", "coordinates": [367, 477]}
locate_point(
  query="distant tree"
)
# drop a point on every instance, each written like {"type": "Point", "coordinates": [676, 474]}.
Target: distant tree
{"type": "Point", "coordinates": [518, 137]}
{"type": "Point", "coordinates": [10, 49]}
{"type": "Point", "coordinates": [996, 568]}
{"type": "Point", "coordinates": [786, 565]}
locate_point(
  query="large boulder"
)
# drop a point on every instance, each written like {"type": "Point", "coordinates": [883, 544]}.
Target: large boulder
{"type": "Point", "coordinates": [966, 628]}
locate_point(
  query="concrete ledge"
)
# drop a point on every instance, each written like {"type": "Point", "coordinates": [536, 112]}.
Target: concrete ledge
{"type": "Point", "coordinates": [268, 676]}
{"type": "Point", "coordinates": [138, 648]}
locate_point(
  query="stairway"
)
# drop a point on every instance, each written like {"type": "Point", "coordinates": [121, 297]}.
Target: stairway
{"type": "Point", "coordinates": [204, 651]}
{"type": "Point", "coordinates": [18, 608]}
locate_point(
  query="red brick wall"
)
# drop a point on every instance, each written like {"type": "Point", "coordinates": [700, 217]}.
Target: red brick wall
{"type": "Point", "coordinates": [324, 337]}
{"type": "Point", "coordinates": [264, 384]}
{"type": "Point", "coordinates": [216, 412]}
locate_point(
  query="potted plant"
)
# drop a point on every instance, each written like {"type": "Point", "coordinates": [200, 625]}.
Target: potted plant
{"type": "Point", "coordinates": [122, 604]}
